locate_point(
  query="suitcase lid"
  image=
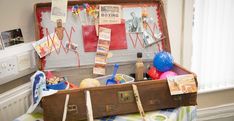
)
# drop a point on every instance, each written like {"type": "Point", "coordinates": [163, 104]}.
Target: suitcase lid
{"type": "Point", "coordinates": [54, 61]}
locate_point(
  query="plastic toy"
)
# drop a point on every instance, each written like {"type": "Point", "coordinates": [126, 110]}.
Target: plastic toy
{"type": "Point", "coordinates": [58, 86]}
{"type": "Point", "coordinates": [51, 78]}
{"type": "Point", "coordinates": [112, 79]}
{"type": "Point", "coordinates": [163, 61]}
{"type": "Point", "coordinates": [154, 73]}
{"type": "Point", "coordinates": [120, 79]}
{"type": "Point", "coordinates": [75, 10]}
{"type": "Point", "coordinates": [167, 74]}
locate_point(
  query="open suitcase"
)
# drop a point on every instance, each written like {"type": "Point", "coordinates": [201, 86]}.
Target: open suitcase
{"type": "Point", "coordinates": [114, 99]}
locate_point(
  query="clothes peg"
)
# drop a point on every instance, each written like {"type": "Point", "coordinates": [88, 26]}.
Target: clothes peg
{"type": "Point", "coordinates": [89, 105]}
{"type": "Point", "coordinates": [138, 102]}
{"type": "Point", "coordinates": [65, 107]}
{"type": "Point", "coordinates": [145, 16]}
{"type": "Point", "coordinates": [59, 29]}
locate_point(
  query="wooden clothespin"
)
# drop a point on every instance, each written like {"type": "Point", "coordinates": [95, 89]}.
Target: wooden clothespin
{"type": "Point", "coordinates": [89, 106]}
{"type": "Point", "coordinates": [138, 101]}
{"type": "Point", "coordinates": [59, 29]}
{"type": "Point", "coordinates": [96, 27]}
{"type": "Point", "coordinates": [65, 107]}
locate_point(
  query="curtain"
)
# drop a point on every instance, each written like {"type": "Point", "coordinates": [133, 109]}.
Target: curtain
{"type": "Point", "coordinates": [213, 44]}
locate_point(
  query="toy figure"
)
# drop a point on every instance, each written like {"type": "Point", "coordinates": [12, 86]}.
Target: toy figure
{"type": "Point", "coordinates": [59, 29]}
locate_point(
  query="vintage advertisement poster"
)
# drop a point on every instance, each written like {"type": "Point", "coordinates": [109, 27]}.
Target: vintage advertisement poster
{"type": "Point", "coordinates": [109, 14]}
{"type": "Point", "coordinates": [182, 84]}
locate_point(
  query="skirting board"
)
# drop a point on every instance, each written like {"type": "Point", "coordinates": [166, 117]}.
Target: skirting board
{"type": "Point", "coordinates": [217, 112]}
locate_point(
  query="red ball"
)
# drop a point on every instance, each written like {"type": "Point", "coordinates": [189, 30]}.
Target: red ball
{"type": "Point", "coordinates": [154, 73]}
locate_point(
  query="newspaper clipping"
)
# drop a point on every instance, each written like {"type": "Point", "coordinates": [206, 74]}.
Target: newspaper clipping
{"type": "Point", "coordinates": [109, 14]}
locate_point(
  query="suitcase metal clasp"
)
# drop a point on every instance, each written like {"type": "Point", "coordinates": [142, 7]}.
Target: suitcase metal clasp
{"type": "Point", "coordinates": [72, 108]}
{"type": "Point", "coordinates": [110, 108]}
{"type": "Point", "coordinates": [177, 98]}
{"type": "Point", "coordinates": [125, 96]}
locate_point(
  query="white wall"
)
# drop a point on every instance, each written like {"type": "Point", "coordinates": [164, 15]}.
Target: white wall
{"type": "Point", "coordinates": [18, 14]}
{"type": "Point", "coordinates": [179, 15]}
{"type": "Point", "coordinates": [174, 22]}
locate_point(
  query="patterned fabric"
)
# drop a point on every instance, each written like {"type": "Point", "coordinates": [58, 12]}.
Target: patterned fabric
{"type": "Point", "coordinates": [30, 117]}
{"type": "Point", "coordinates": [187, 113]}
{"type": "Point", "coordinates": [179, 114]}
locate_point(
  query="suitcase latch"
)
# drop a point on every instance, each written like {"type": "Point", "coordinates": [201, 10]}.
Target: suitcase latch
{"type": "Point", "coordinates": [110, 108]}
{"type": "Point", "coordinates": [125, 96]}
{"type": "Point", "coordinates": [72, 108]}
{"type": "Point", "coordinates": [177, 98]}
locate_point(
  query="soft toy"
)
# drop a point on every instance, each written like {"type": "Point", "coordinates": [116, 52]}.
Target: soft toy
{"type": "Point", "coordinates": [89, 82]}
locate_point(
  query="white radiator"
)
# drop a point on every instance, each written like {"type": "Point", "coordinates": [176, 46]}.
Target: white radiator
{"type": "Point", "coordinates": [15, 102]}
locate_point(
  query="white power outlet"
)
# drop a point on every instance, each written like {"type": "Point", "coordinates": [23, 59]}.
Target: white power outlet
{"type": "Point", "coordinates": [8, 67]}
{"type": "Point", "coordinates": [24, 61]}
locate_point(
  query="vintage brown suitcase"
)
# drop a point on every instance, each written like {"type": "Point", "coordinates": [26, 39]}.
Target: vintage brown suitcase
{"type": "Point", "coordinates": [106, 101]}
{"type": "Point", "coordinates": [114, 99]}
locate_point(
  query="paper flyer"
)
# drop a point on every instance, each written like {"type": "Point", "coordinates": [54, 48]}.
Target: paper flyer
{"type": "Point", "coordinates": [59, 10]}
{"type": "Point", "coordinates": [102, 51]}
{"type": "Point", "coordinates": [182, 84]}
{"type": "Point", "coordinates": [46, 45]}
{"type": "Point", "coordinates": [109, 14]}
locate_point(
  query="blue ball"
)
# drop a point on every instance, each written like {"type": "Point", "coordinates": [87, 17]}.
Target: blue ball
{"type": "Point", "coordinates": [163, 61]}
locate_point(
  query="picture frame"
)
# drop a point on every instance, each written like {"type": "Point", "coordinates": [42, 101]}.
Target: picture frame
{"type": "Point", "coordinates": [11, 37]}
{"type": "Point", "coordinates": [133, 19]}
{"type": "Point", "coordinates": [1, 44]}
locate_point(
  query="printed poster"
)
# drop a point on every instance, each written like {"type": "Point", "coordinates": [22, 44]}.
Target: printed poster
{"type": "Point", "coordinates": [109, 14]}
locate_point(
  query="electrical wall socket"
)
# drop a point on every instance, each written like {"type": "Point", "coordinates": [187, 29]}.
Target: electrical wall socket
{"type": "Point", "coordinates": [8, 67]}
{"type": "Point", "coordinates": [24, 61]}
{"type": "Point", "coordinates": [17, 61]}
